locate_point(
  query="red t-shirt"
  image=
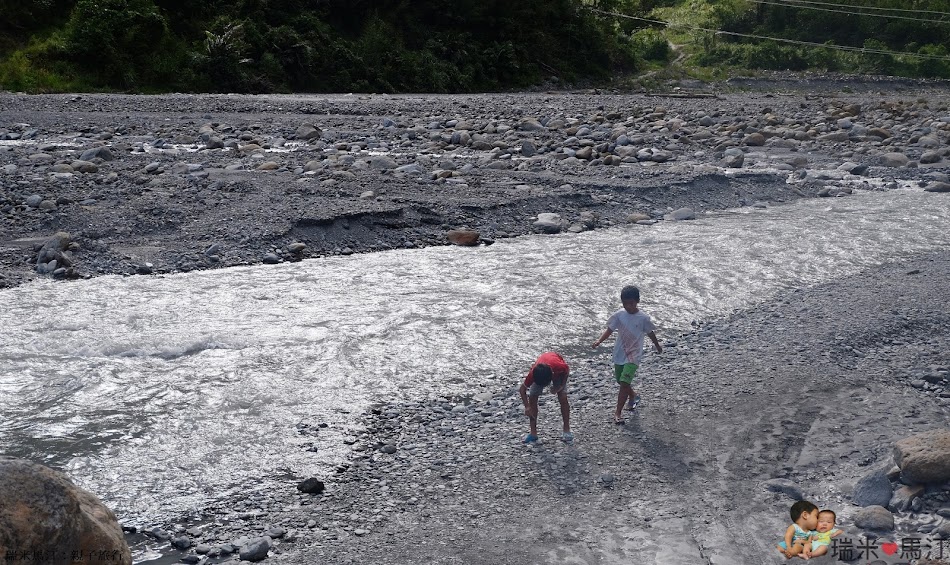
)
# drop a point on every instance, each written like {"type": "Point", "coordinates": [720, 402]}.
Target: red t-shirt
{"type": "Point", "coordinates": [558, 366]}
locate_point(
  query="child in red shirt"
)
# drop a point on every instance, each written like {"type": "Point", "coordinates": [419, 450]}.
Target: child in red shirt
{"type": "Point", "coordinates": [550, 368]}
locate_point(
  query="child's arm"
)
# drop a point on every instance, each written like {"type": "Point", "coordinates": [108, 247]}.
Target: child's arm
{"type": "Point", "coordinates": [528, 411]}
{"type": "Point", "coordinates": [602, 337]}
{"type": "Point", "coordinates": [835, 532]}
{"type": "Point", "coordinates": [656, 343]}
{"type": "Point", "coordinates": [789, 534]}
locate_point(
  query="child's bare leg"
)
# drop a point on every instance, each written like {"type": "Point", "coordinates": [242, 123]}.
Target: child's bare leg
{"type": "Point", "coordinates": [565, 410]}
{"type": "Point", "coordinates": [788, 553]}
{"type": "Point", "coordinates": [622, 395]}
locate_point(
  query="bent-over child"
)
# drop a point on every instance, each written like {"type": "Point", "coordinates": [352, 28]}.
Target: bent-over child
{"type": "Point", "coordinates": [549, 368]}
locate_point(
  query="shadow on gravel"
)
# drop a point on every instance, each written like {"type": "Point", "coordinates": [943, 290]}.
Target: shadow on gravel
{"type": "Point", "coordinates": [657, 456]}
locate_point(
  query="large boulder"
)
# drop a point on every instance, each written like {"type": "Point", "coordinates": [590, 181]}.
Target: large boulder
{"type": "Point", "coordinates": [308, 132]}
{"type": "Point", "coordinates": [464, 237]}
{"type": "Point", "coordinates": [311, 485]}
{"type": "Point", "coordinates": [529, 124]}
{"type": "Point", "coordinates": [924, 458]}
{"type": "Point", "coordinates": [785, 486]}
{"type": "Point", "coordinates": [45, 515]}
{"type": "Point", "coordinates": [873, 489]}
{"type": "Point", "coordinates": [382, 163]}
{"type": "Point", "coordinates": [52, 255]}
{"type": "Point", "coordinates": [907, 497]}
{"type": "Point", "coordinates": [733, 158]}
{"type": "Point", "coordinates": [550, 222]}
{"type": "Point", "coordinates": [101, 152]}
{"type": "Point", "coordinates": [894, 159]}
{"type": "Point", "coordinates": [874, 518]}
{"type": "Point", "coordinates": [754, 139]}
{"type": "Point", "coordinates": [681, 214]}
{"type": "Point", "coordinates": [256, 549]}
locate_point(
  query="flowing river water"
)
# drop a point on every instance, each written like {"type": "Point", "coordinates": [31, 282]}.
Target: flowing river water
{"type": "Point", "coordinates": [164, 394]}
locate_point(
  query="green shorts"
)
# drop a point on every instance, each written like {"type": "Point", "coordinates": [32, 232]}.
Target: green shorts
{"type": "Point", "coordinates": [625, 373]}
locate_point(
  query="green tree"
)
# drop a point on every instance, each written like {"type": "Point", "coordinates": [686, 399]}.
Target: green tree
{"type": "Point", "coordinates": [123, 43]}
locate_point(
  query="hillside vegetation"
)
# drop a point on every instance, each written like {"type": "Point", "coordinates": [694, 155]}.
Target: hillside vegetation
{"type": "Point", "coordinates": [450, 45]}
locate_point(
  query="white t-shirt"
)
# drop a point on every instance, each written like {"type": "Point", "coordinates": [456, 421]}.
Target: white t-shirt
{"type": "Point", "coordinates": [630, 329]}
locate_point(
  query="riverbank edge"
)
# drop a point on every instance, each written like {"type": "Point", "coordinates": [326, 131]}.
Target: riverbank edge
{"type": "Point", "coordinates": [360, 226]}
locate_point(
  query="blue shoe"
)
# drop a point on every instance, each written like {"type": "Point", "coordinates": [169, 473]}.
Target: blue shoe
{"type": "Point", "coordinates": [567, 437]}
{"type": "Point", "coordinates": [530, 438]}
{"type": "Point", "coordinates": [633, 402]}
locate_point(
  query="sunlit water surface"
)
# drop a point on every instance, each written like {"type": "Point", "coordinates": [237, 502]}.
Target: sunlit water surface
{"type": "Point", "coordinates": [165, 394]}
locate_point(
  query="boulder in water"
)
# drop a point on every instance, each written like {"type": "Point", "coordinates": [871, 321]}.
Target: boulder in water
{"type": "Point", "coordinates": [462, 237]}
{"type": "Point", "coordinates": [550, 222]}
{"type": "Point", "coordinates": [938, 187]}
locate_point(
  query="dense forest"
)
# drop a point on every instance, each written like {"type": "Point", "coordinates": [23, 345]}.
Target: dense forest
{"type": "Point", "coordinates": [451, 45]}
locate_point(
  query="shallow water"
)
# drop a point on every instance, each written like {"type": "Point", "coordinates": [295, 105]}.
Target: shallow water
{"type": "Point", "coordinates": [166, 394]}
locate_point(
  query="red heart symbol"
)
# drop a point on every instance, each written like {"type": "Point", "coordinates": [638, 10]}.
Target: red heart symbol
{"type": "Point", "coordinates": [889, 548]}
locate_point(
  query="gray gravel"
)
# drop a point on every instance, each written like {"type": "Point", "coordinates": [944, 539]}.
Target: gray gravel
{"type": "Point", "coordinates": [810, 390]}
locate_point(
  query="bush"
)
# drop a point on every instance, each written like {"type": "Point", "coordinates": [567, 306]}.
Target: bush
{"type": "Point", "coordinates": [651, 45]}
{"type": "Point", "coordinates": [26, 70]}
{"type": "Point", "coordinates": [822, 58]}
{"type": "Point", "coordinates": [220, 59]}
{"type": "Point", "coordinates": [877, 63]}
{"type": "Point", "coordinates": [121, 42]}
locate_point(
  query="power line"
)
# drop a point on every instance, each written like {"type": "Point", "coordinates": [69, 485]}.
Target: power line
{"type": "Point", "coordinates": [862, 50]}
{"type": "Point", "coordinates": [859, 7]}
{"type": "Point", "coordinates": [885, 16]}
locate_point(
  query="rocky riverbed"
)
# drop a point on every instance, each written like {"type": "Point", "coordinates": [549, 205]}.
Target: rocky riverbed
{"type": "Point", "coordinates": [159, 184]}
{"type": "Point", "coordinates": [806, 393]}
